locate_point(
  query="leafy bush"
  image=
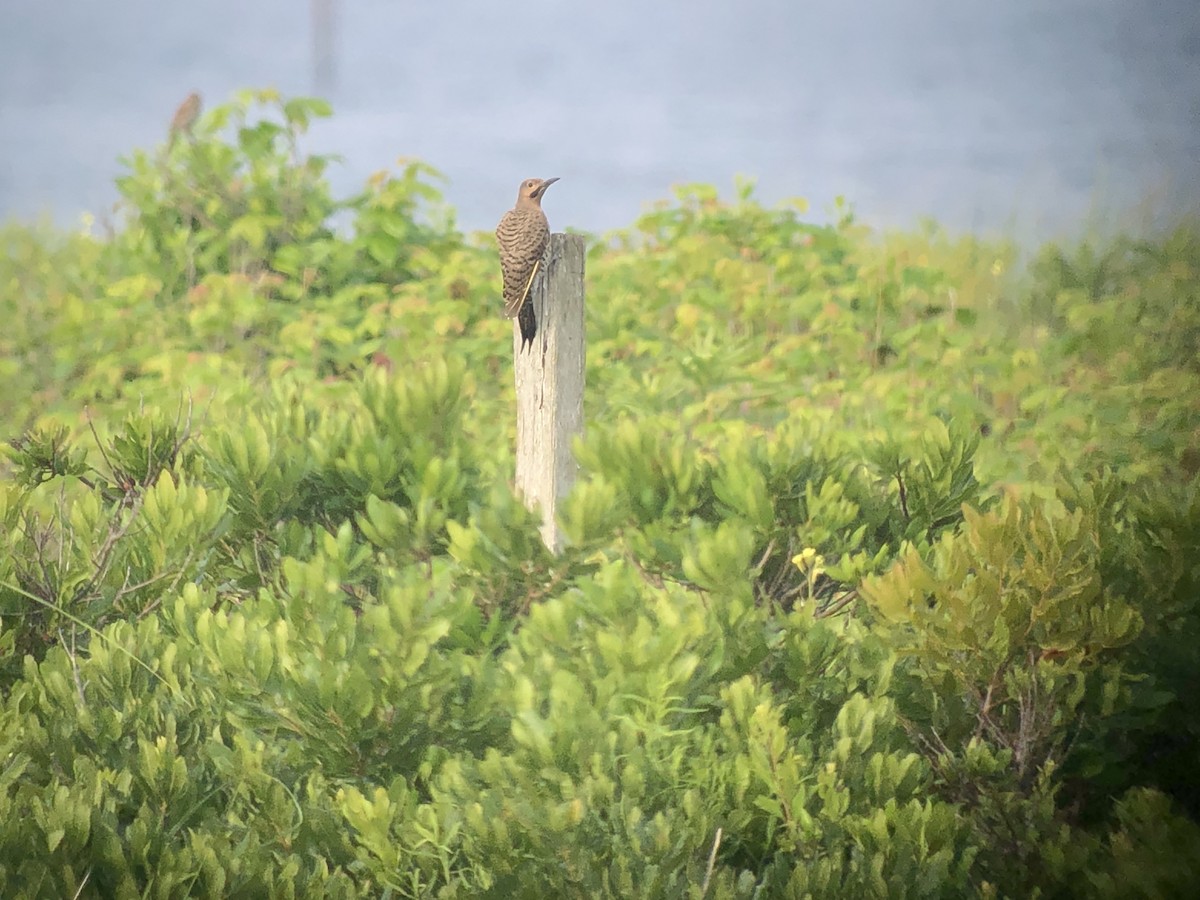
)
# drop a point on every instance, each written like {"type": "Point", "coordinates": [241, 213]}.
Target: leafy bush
{"type": "Point", "coordinates": [876, 584]}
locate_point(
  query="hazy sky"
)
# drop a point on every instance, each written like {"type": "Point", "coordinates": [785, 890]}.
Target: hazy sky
{"type": "Point", "coordinates": [1018, 116]}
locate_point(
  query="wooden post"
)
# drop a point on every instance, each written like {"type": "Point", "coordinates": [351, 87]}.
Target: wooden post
{"type": "Point", "coordinates": [550, 374]}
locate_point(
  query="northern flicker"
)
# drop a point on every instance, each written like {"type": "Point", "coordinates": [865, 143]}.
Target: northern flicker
{"type": "Point", "coordinates": [523, 235]}
{"type": "Point", "coordinates": [184, 118]}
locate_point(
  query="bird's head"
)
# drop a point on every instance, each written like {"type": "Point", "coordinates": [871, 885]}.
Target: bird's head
{"type": "Point", "coordinates": [531, 190]}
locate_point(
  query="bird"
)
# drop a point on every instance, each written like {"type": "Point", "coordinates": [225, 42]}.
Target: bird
{"type": "Point", "coordinates": [185, 117]}
{"type": "Point", "coordinates": [523, 234]}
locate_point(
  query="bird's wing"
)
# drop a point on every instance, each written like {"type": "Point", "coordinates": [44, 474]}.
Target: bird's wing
{"type": "Point", "coordinates": [516, 299]}
{"type": "Point", "coordinates": [522, 245]}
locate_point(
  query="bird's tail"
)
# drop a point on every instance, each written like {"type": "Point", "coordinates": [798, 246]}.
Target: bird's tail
{"type": "Point", "coordinates": [527, 320]}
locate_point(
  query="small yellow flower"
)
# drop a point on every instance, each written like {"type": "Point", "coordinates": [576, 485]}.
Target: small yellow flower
{"type": "Point", "coordinates": [805, 558]}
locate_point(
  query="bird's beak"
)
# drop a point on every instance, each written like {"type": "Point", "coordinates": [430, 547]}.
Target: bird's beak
{"type": "Point", "coordinates": [541, 189]}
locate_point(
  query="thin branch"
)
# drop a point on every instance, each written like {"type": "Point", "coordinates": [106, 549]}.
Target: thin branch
{"type": "Point", "coordinates": [95, 632]}
{"type": "Point", "coordinates": [73, 655]}
{"type": "Point", "coordinates": [712, 861]}
{"type": "Point", "coordinates": [170, 589]}
{"type": "Point", "coordinates": [104, 558]}
{"type": "Point", "coordinates": [838, 605]}
{"type": "Point", "coordinates": [83, 883]}
{"type": "Point", "coordinates": [100, 444]}
{"type": "Point", "coordinates": [766, 554]}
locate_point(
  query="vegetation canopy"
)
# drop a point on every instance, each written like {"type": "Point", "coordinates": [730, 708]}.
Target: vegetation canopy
{"type": "Point", "coordinates": [882, 576]}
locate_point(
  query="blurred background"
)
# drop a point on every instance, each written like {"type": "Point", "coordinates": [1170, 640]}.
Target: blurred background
{"type": "Point", "coordinates": [1027, 118]}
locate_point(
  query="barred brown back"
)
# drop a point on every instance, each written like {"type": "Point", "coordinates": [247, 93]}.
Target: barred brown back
{"type": "Point", "coordinates": [522, 234]}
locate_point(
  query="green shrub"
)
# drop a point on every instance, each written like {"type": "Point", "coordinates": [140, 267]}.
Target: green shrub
{"type": "Point", "coordinates": [875, 586]}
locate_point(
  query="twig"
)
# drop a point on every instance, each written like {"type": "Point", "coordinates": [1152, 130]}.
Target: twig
{"type": "Point", "coordinates": [83, 883]}
{"type": "Point", "coordinates": [766, 554]}
{"type": "Point", "coordinates": [100, 444]}
{"type": "Point", "coordinates": [40, 538]}
{"type": "Point", "coordinates": [178, 576]}
{"type": "Point", "coordinates": [837, 605]}
{"type": "Point", "coordinates": [95, 632]}
{"type": "Point", "coordinates": [103, 560]}
{"type": "Point", "coordinates": [712, 861]}
{"type": "Point", "coordinates": [73, 655]}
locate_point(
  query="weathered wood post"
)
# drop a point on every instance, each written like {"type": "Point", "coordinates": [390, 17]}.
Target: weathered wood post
{"type": "Point", "coordinates": [550, 375]}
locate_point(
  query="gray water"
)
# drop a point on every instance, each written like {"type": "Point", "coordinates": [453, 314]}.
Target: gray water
{"type": "Point", "coordinates": [1025, 117]}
